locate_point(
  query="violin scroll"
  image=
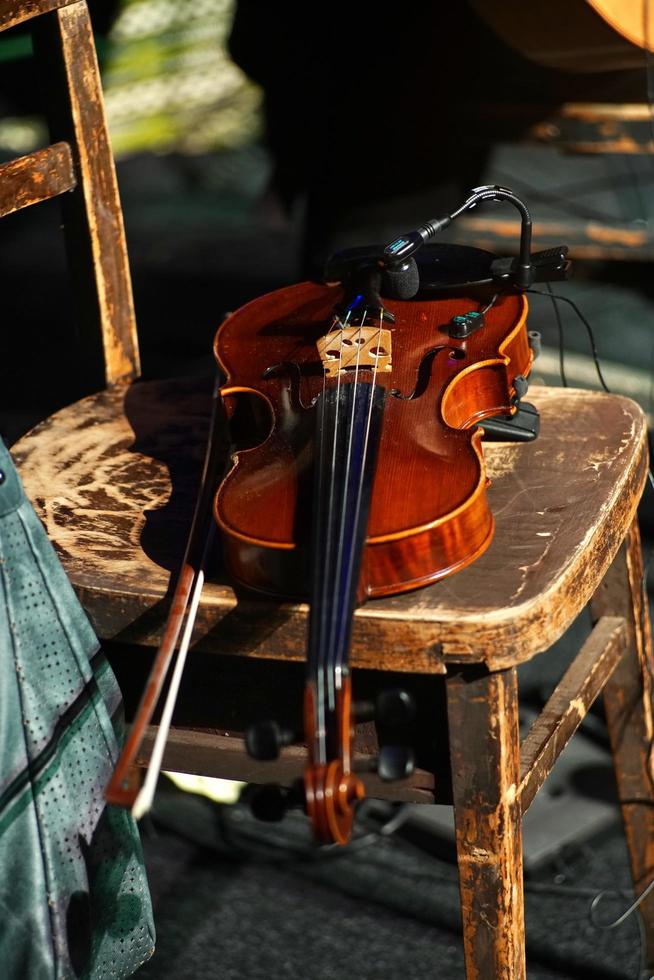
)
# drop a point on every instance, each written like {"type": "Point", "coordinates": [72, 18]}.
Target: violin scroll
{"type": "Point", "coordinates": [329, 793]}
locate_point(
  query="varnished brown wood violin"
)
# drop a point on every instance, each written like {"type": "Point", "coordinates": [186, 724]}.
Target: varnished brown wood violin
{"type": "Point", "coordinates": [370, 480]}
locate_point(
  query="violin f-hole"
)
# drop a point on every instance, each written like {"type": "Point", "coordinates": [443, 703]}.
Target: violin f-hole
{"type": "Point", "coordinates": [249, 418]}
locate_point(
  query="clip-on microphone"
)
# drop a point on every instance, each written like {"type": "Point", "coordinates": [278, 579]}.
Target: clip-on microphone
{"type": "Point", "coordinates": [446, 266]}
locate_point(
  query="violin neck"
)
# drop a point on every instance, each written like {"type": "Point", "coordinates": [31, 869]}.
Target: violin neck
{"type": "Point", "coordinates": [348, 428]}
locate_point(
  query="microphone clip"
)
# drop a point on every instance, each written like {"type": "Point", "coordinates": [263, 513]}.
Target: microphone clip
{"type": "Point", "coordinates": [521, 272]}
{"type": "Point", "coordinates": [549, 265]}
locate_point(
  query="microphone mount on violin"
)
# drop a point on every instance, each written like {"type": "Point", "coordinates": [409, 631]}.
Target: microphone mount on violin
{"type": "Point", "coordinates": [409, 265]}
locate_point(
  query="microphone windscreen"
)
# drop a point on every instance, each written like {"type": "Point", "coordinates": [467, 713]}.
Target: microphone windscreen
{"type": "Point", "coordinates": [402, 282]}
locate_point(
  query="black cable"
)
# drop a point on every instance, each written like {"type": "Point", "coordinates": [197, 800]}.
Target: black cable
{"type": "Point", "coordinates": [489, 305]}
{"type": "Point", "coordinates": [591, 336]}
{"type": "Point", "coordinates": [624, 915]}
{"type": "Point", "coordinates": [559, 323]}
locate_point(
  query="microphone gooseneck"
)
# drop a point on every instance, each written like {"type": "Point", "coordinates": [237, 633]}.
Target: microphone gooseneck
{"type": "Point", "coordinates": [406, 246]}
{"type": "Point", "coordinates": [522, 273]}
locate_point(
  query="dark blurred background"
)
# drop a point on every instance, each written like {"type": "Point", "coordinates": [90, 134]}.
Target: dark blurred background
{"type": "Point", "coordinates": [252, 139]}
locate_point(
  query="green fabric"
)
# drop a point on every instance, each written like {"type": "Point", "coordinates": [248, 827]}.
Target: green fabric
{"type": "Point", "coordinates": [74, 900]}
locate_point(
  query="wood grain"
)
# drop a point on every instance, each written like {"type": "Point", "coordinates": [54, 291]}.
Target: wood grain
{"type": "Point", "coordinates": [597, 128]}
{"type": "Point", "coordinates": [629, 708]}
{"type": "Point", "coordinates": [93, 223]}
{"type": "Point", "coordinates": [586, 239]}
{"type": "Point", "coordinates": [13, 12]}
{"type": "Point", "coordinates": [35, 177]}
{"type": "Point", "coordinates": [482, 711]}
{"type": "Point", "coordinates": [213, 754]}
{"type": "Point", "coordinates": [569, 703]}
{"type": "Point", "coordinates": [575, 127]}
{"type": "Point", "coordinates": [113, 479]}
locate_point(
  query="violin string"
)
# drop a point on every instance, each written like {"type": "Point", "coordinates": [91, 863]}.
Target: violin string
{"type": "Point", "coordinates": [333, 627]}
{"type": "Point", "coordinates": [341, 650]}
{"type": "Point", "coordinates": [321, 666]}
{"type": "Point", "coordinates": [336, 655]}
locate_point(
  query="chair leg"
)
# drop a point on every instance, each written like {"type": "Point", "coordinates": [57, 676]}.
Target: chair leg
{"type": "Point", "coordinates": [484, 738]}
{"type": "Point", "coordinates": [628, 702]}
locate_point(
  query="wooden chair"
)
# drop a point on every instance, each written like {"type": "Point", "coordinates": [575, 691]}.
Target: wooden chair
{"type": "Point", "coordinates": [79, 166]}
{"type": "Point", "coordinates": [113, 478]}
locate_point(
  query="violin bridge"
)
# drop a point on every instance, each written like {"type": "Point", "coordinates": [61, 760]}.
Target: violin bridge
{"type": "Point", "coordinates": [355, 347]}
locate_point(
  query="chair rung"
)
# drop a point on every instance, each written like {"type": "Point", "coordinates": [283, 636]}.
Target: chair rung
{"type": "Point", "coordinates": [569, 702]}
{"type": "Point", "coordinates": [36, 177]}
{"type": "Point", "coordinates": [209, 754]}
{"type": "Point", "coordinates": [14, 12]}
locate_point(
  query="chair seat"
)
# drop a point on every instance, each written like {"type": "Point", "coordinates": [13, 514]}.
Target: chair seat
{"type": "Point", "coordinates": [113, 478]}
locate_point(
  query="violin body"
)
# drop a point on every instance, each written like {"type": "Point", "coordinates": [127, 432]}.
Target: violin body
{"type": "Point", "coordinates": [429, 514]}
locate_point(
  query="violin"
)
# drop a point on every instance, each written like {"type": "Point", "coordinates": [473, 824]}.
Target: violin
{"type": "Point", "coordinates": [370, 480]}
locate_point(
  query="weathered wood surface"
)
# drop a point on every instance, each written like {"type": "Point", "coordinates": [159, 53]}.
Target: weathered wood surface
{"type": "Point", "coordinates": [35, 177]}
{"type": "Point", "coordinates": [93, 222]}
{"type": "Point", "coordinates": [209, 753]}
{"type": "Point", "coordinates": [113, 478]}
{"type": "Point", "coordinates": [482, 712]}
{"type": "Point", "coordinates": [568, 704]}
{"type": "Point", "coordinates": [629, 712]}
{"type": "Point", "coordinates": [582, 127]}
{"type": "Point", "coordinates": [573, 127]}
{"type": "Point", "coordinates": [586, 239]}
{"type": "Point", "coordinates": [576, 127]}
{"type": "Point", "coordinates": [13, 12]}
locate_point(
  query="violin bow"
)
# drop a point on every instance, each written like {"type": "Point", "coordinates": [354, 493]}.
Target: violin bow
{"type": "Point", "coordinates": [122, 788]}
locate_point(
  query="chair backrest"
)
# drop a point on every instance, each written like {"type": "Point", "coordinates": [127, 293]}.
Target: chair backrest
{"type": "Point", "coordinates": [78, 165]}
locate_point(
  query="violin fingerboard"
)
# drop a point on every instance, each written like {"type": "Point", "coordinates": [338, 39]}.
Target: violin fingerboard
{"type": "Point", "coordinates": [348, 429]}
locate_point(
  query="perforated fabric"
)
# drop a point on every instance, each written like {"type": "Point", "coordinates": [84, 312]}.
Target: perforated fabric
{"type": "Point", "coordinates": [74, 901]}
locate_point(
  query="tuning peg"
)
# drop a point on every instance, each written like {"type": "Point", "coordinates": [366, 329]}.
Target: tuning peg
{"type": "Point", "coordinates": [363, 711]}
{"type": "Point", "coordinates": [395, 762]}
{"type": "Point", "coordinates": [390, 709]}
{"type": "Point", "coordinates": [271, 801]}
{"type": "Point", "coordinates": [394, 708]}
{"type": "Point", "coordinates": [266, 802]}
{"type": "Point", "coordinates": [264, 739]}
